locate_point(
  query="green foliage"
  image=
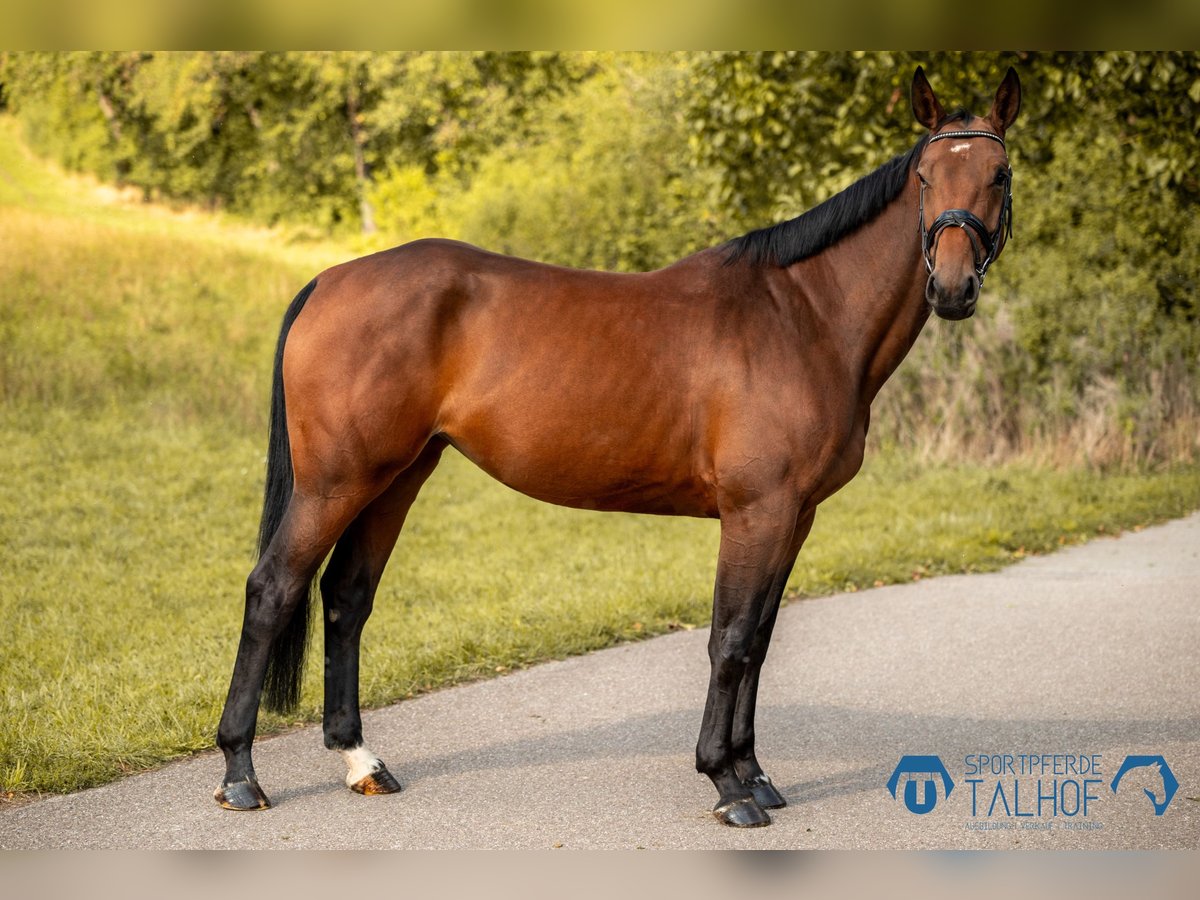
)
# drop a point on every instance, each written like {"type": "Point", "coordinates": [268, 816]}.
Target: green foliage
{"type": "Point", "coordinates": [278, 135]}
{"type": "Point", "coordinates": [1119, 282]}
{"type": "Point", "coordinates": [447, 110]}
{"type": "Point", "coordinates": [408, 204]}
{"type": "Point", "coordinates": [1087, 336]}
{"type": "Point", "coordinates": [787, 129]}
{"type": "Point", "coordinates": [597, 180]}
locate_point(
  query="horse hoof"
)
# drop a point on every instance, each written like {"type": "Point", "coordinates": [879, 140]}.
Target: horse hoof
{"type": "Point", "coordinates": [242, 795]}
{"type": "Point", "coordinates": [742, 813]}
{"type": "Point", "coordinates": [381, 781]}
{"type": "Point", "coordinates": [764, 792]}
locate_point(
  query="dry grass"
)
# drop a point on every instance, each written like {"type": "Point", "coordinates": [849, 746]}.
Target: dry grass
{"type": "Point", "coordinates": [967, 392]}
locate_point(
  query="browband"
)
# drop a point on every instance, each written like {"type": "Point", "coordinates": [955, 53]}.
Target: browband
{"type": "Point", "coordinates": [967, 134]}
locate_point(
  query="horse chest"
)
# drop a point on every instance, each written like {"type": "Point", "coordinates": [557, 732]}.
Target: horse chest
{"type": "Point", "coordinates": [843, 462]}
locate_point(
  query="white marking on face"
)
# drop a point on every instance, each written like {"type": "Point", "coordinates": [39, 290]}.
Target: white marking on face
{"type": "Point", "coordinates": [362, 762]}
{"type": "Point", "coordinates": [958, 148]}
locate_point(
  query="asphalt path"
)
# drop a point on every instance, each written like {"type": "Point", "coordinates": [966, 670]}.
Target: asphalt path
{"type": "Point", "coordinates": [1068, 663]}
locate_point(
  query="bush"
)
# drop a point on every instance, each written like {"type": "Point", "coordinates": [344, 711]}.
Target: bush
{"type": "Point", "coordinates": [598, 182]}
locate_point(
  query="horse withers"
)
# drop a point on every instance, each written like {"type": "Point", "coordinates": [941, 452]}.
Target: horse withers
{"type": "Point", "coordinates": [736, 384]}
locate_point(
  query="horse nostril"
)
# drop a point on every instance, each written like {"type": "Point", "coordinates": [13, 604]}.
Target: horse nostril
{"type": "Point", "coordinates": [972, 292]}
{"type": "Point", "coordinates": [931, 288]}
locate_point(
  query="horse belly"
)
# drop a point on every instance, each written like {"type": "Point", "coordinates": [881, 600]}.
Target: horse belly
{"type": "Point", "coordinates": [587, 450]}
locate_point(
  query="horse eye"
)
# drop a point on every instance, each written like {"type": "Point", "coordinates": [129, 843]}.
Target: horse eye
{"type": "Point", "coordinates": [1001, 179]}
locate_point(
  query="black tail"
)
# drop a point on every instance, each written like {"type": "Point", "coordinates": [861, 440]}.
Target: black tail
{"type": "Point", "coordinates": [285, 664]}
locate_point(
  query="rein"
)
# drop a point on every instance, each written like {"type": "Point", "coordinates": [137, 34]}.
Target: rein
{"type": "Point", "coordinates": [983, 242]}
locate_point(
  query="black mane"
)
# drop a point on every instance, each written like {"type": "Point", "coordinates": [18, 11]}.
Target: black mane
{"type": "Point", "coordinates": [828, 222]}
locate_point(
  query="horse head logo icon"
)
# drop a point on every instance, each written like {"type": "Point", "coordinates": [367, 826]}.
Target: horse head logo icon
{"type": "Point", "coordinates": [1158, 766]}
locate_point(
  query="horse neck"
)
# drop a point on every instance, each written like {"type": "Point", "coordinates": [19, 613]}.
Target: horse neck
{"type": "Point", "coordinates": [873, 292]}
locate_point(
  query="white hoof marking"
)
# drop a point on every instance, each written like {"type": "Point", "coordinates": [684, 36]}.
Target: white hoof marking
{"type": "Point", "coordinates": [362, 762]}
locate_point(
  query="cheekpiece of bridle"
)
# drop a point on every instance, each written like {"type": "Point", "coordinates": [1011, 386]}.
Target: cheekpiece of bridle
{"type": "Point", "coordinates": [984, 244]}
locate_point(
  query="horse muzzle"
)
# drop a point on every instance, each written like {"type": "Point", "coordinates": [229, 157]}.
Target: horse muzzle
{"type": "Point", "coordinates": [953, 301]}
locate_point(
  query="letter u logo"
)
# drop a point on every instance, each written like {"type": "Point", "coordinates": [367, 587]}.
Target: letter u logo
{"type": "Point", "coordinates": [925, 769]}
{"type": "Point", "coordinates": [929, 796]}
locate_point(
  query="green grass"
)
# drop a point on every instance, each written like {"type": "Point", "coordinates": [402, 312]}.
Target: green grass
{"type": "Point", "coordinates": [135, 349]}
{"type": "Point", "coordinates": [67, 202]}
{"type": "Point", "coordinates": [127, 544]}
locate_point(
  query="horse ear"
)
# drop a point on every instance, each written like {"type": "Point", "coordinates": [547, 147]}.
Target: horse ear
{"type": "Point", "coordinates": [925, 103]}
{"type": "Point", "coordinates": [1007, 103]}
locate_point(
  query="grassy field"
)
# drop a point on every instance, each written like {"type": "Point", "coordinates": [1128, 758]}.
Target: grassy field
{"type": "Point", "coordinates": [135, 346]}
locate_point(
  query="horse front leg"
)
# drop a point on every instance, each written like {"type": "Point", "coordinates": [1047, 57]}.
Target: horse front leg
{"type": "Point", "coordinates": [756, 555]}
{"type": "Point", "coordinates": [745, 761]}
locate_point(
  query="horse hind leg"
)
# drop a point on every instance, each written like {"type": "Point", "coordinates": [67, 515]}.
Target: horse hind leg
{"type": "Point", "coordinates": [347, 592]}
{"type": "Point", "coordinates": [275, 591]}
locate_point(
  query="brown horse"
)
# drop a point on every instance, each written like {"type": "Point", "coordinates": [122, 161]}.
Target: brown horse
{"type": "Point", "coordinates": [736, 384]}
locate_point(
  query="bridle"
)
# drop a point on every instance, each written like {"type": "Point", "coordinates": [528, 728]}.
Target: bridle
{"type": "Point", "coordinates": [983, 242]}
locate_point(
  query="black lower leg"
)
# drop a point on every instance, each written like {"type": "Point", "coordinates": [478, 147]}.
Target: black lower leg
{"type": "Point", "coordinates": [347, 593]}
{"type": "Point", "coordinates": [346, 598]}
{"type": "Point", "coordinates": [239, 788]}
{"type": "Point", "coordinates": [756, 556]}
{"type": "Point", "coordinates": [265, 591]}
{"type": "Point", "coordinates": [736, 804]}
{"type": "Point", "coordinates": [745, 762]}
